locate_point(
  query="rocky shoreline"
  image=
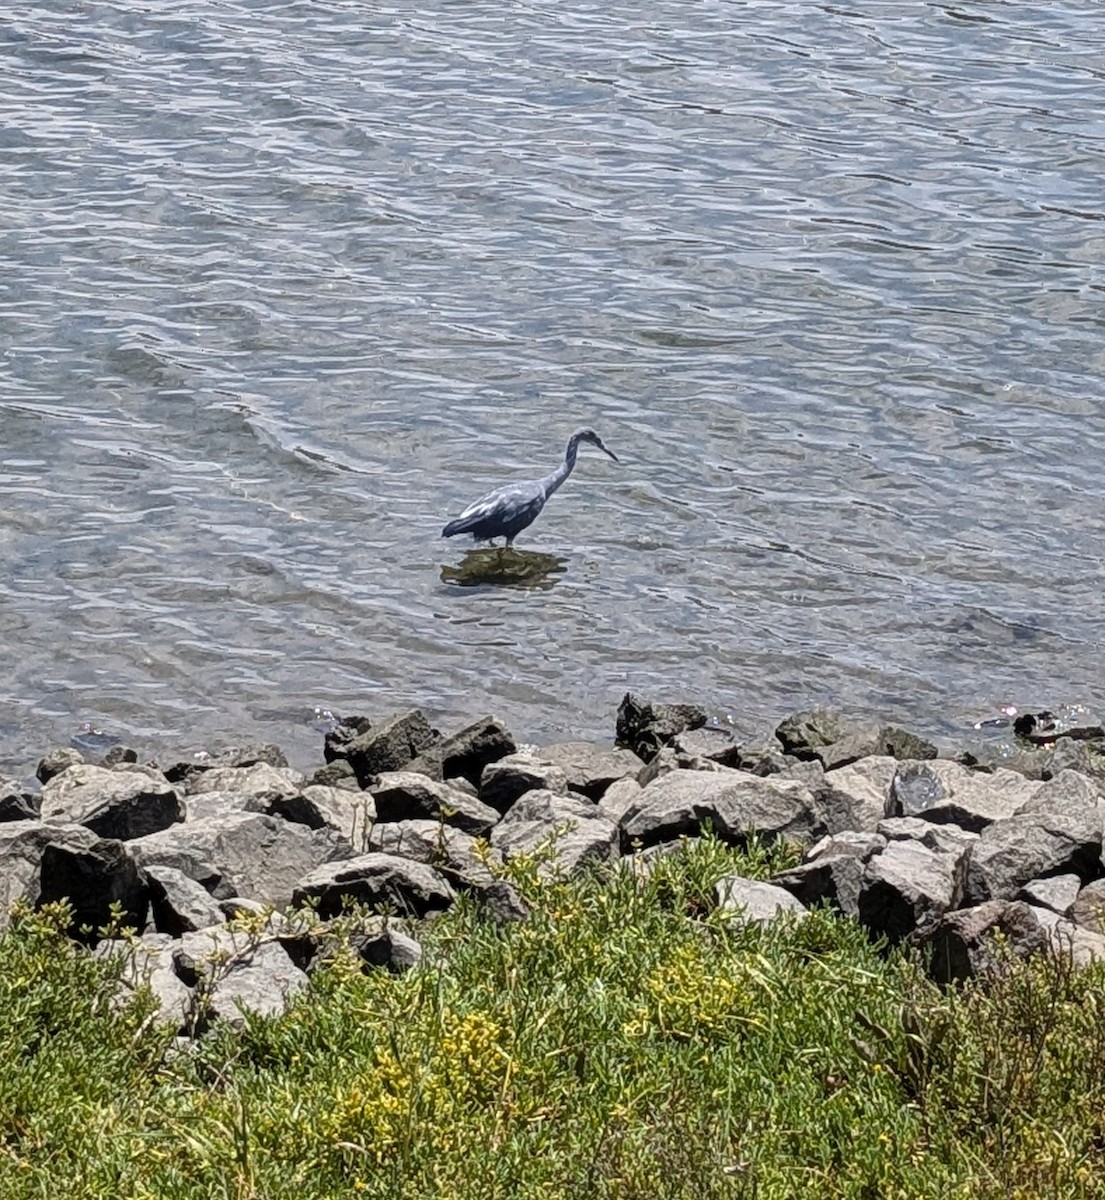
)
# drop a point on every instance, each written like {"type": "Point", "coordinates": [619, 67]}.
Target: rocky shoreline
{"type": "Point", "coordinates": [235, 870]}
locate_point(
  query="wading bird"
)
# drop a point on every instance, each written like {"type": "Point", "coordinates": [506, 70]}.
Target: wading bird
{"type": "Point", "coordinates": [506, 511]}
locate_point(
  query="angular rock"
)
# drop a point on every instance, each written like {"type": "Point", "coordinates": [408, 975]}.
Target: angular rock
{"type": "Point", "coordinates": [238, 973]}
{"type": "Point", "coordinates": [573, 830]}
{"type": "Point", "coordinates": [944, 838]}
{"type": "Point", "coordinates": [244, 854]}
{"type": "Point", "coordinates": [92, 878]}
{"type": "Point", "coordinates": [964, 944]}
{"type": "Point", "coordinates": [850, 843]}
{"type": "Point", "coordinates": [591, 769]}
{"type": "Point", "coordinates": [260, 779]}
{"type": "Point", "coordinates": [643, 727]}
{"type": "Point", "coordinates": [16, 804]}
{"type": "Point", "coordinates": [908, 885]}
{"type": "Point", "coordinates": [465, 754]}
{"type": "Point", "coordinates": [1058, 892]}
{"type": "Point", "coordinates": [389, 746]}
{"type": "Point", "coordinates": [407, 795]}
{"type": "Point", "coordinates": [335, 774]}
{"type": "Point", "coordinates": [118, 756]}
{"type": "Point", "coordinates": [712, 743]}
{"type": "Point", "coordinates": [502, 903]}
{"type": "Point", "coordinates": [149, 963]}
{"type": "Point", "coordinates": [376, 880]}
{"type": "Point", "coordinates": [804, 733]}
{"type": "Point", "coordinates": [754, 901]}
{"type": "Point", "coordinates": [834, 879]}
{"type": "Point", "coordinates": [179, 904]}
{"type": "Point", "coordinates": [445, 848]}
{"type": "Point", "coordinates": [1057, 833]}
{"type": "Point", "coordinates": [123, 803]}
{"type": "Point", "coordinates": [735, 803]}
{"type": "Point", "coordinates": [231, 756]}
{"type": "Point", "coordinates": [205, 805]}
{"type": "Point", "coordinates": [617, 798]}
{"type": "Point", "coordinates": [972, 799]}
{"type": "Point", "coordinates": [914, 789]}
{"type": "Point", "coordinates": [503, 782]}
{"type": "Point", "coordinates": [22, 845]}
{"type": "Point", "coordinates": [865, 786]}
{"type": "Point", "coordinates": [57, 761]}
{"type": "Point", "coordinates": [350, 814]}
{"type": "Point", "coordinates": [1088, 907]}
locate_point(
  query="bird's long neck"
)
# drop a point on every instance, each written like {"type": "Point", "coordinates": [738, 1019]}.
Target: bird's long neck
{"type": "Point", "coordinates": [553, 481]}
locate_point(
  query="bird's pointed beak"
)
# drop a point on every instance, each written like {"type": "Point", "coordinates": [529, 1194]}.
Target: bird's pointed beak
{"type": "Point", "coordinates": [606, 450]}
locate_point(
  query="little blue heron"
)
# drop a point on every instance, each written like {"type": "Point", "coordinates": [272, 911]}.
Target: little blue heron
{"type": "Point", "coordinates": [506, 511]}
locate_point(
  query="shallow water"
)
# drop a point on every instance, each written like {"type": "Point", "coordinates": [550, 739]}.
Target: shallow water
{"type": "Point", "coordinates": [288, 284]}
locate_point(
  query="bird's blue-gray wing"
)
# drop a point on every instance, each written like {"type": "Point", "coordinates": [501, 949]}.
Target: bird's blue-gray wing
{"type": "Point", "coordinates": [500, 513]}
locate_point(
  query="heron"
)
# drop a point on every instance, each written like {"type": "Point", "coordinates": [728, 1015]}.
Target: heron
{"type": "Point", "coordinates": [506, 511]}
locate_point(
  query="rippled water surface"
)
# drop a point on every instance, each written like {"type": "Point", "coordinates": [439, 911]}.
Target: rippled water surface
{"type": "Point", "coordinates": [287, 284]}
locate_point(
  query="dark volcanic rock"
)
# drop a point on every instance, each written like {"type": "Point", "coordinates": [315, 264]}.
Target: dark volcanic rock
{"type": "Point", "coordinates": [465, 754]}
{"type": "Point", "coordinates": [644, 728]}
{"type": "Point", "coordinates": [503, 782]}
{"type": "Point", "coordinates": [389, 746]}
{"type": "Point", "coordinates": [93, 878]}
{"type": "Point", "coordinates": [591, 769]}
{"type": "Point", "coordinates": [377, 880]}
{"type": "Point", "coordinates": [408, 795]}
{"type": "Point", "coordinates": [735, 803]}
{"type": "Point", "coordinates": [243, 854]}
{"type": "Point", "coordinates": [124, 803]}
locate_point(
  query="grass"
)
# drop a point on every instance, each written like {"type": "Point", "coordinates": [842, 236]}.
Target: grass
{"type": "Point", "coordinates": [627, 1041]}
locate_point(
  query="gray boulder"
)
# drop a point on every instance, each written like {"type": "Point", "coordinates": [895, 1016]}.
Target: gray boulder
{"type": "Point", "coordinates": [465, 754]}
{"type": "Point", "coordinates": [408, 795]}
{"type": "Point", "coordinates": [908, 885]}
{"type": "Point", "coordinates": [92, 878]}
{"type": "Point", "coordinates": [708, 743]}
{"type": "Point", "coordinates": [1088, 907]}
{"type": "Point", "coordinates": [389, 746]}
{"type": "Point", "coordinates": [350, 814]}
{"type": "Point", "coordinates": [1058, 832]}
{"type": "Point", "coordinates": [735, 803]}
{"type": "Point", "coordinates": [444, 847]}
{"type": "Point", "coordinates": [644, 727]}
{"type": "Point", "coordinates": [835, 879]}
{"type": "Point", "coordinates": [56, 761]}
{"type": "Point", "coordinates": [16, 804]}
{"type": "Point", "coordinates": [260, 779]}
{"type": "Point", "coordinates": [945, 838]}
{"type": "Point", "coordinates": [237, 973]}
{"type": "Point", "coordinates": [590, 769]}
{"type": "Point", "coordinates": [179, 904]}
{"type": "Point", "coordinates": [617, 799]}
{"type": "Point", "coordinates": [865, 787]}
{"type": "Point", "coordinates": [243, 854]}
{"type": "Point", "coordinates": [504, 781]}
{"type": "Point", "coordinates": [754, 901]}
{"type": "Point", "coordinates": [572, 829]}
{"type": "Point", "coordinates": [977, 941]}
{"type": "Point", "coordinates": [229, 756]}
{"type": "Point", "coordinates": [377, 880]}
{"type": "Point", "coordinates": [148, 963]}
{"type": "Point", "coordinates": [970, 799]}
{"type": "Point", "coordinates": [124, 803]}
{"type": "Point", "coordinates": [1057, 892]}
{"type": "Point", "coordinates": [22, 845]}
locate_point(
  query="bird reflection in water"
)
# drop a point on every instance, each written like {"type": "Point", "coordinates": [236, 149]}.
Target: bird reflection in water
{"type": "Point", "coordinates": [504, 566]}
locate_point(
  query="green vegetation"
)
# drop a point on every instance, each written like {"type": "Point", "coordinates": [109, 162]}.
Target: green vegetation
{"type": "Point", "coordinates": [626, 1042]}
